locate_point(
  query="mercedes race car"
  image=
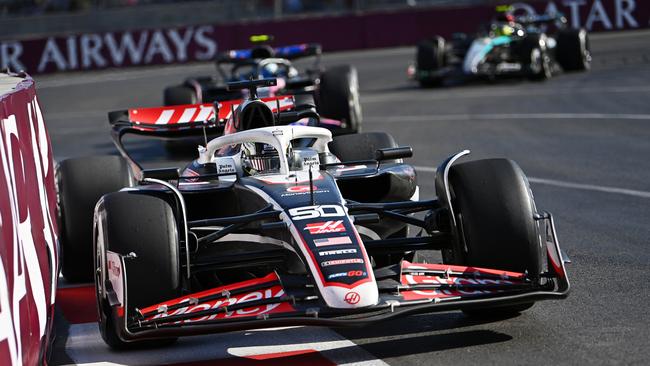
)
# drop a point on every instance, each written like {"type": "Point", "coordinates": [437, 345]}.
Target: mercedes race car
{"type": "Point", "coordinates": [334, 91]}
{"type": "Point", "coordinates": [531, 46]}
{"type": "Point", "coordinates": [280, 225]}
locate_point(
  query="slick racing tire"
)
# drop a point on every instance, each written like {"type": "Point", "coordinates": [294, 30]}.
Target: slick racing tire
{"type": "Point", "coordinates": [430, 56]}
{"type": "Point", "coordinates": [81, 182]}
{"type": "Point", "coordinates": [338, 98]}
{"type": "Point", "coordinates": [180, 95]}
{"type": "Point", "coordinates": [145, 225]}
{"type": "Point", "coordinates": [495, 210]}
{"type": "Point", "coordinates": [573, 51]}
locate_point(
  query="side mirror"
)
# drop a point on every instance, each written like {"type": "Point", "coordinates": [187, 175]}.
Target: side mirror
{"type": "Point", "coordinates": [161, 174]}
{"type": "Point", "coordinates": [391, 153]}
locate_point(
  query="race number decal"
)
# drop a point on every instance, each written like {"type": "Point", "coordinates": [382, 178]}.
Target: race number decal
{"type": "Point", "coordinates": [313, 212]}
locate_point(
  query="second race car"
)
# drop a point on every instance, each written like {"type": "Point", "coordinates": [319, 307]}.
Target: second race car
{"type": "Point", "coordinates": [530, 46]}
{"type": "Point", "coordinates": [334, 91]}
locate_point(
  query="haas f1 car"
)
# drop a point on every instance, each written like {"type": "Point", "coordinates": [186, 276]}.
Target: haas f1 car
{"type": "Point", "coordinates": [334, 91]}
{"type": "Point", "coordinates": [280, 225]}
{"type": "Point", "coordinates": [531, 46]}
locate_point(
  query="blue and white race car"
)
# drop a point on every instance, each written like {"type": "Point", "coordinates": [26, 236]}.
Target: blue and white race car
{"type": "Point", "coordinates": [334, 91]}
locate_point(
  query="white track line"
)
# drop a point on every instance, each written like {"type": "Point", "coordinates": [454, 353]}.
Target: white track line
{"type": "Point", "coordinates": [400, 97]}
{"type": "Point", "coordinates": [85, 347]}
{"type": "Point", "coordinates": [508, 116]}
{"type": "Point", "coordinates": [563, 184]}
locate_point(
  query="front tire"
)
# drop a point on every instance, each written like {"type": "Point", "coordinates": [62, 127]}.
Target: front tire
{"type": "Point", "coordinates": [145, 225]}
{"type": "Point", "coordinates": [81, 183]}
{"type": "Point", "coordinates": [338, 98]}
{"type": "Point", "coordinates": [495, 209]}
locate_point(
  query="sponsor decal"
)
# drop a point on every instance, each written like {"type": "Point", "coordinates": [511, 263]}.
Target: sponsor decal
{"type": "Point", "coordinates": [114, 268]}
{"type": "Point", "coordinates": [313, 212]}
{"type": "Point", "coordinates": [301, 189]}
{"type": "Point", "coordinates": [28, 227]}
{"type": "Point", "coordinates": [352, 298]}
{"type": "Point", "coordinates": [423, 278]}
{"type": "Point", "coordinates": [342, 240]}
{"type": "Point", "coordinates": [272, 292]}
{"type": "Point", "coordinates": [337, 252]}
{"type": "Point", "coordinates": [347, 274]}
{"type": "Point", "coordinates": [325, 227]}
{"type": "Point", "coordinates": [226, 166]}
{"type": "Point", "coordinates": [111, 49]}
{"type": "Point", "coordinates": [337, 262]}
{"type": "Point", "coordinates": [310, 161]}
{"type": "Point", "coordinates": [351, 168]}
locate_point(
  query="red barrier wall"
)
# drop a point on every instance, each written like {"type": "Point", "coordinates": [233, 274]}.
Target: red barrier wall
{"type": "Point", "coordinates": [28, 240]}
{"type": "Point", "coordinates": [369, 30]}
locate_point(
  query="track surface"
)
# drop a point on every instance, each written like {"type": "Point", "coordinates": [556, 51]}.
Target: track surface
{"type": "Point", "coordinates": [583, 138]}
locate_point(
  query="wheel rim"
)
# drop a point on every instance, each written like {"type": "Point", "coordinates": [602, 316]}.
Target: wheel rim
{"type": "Point", "coordinates": [353, 102]}
{"type": "Point", "coordinates": [536, 62]}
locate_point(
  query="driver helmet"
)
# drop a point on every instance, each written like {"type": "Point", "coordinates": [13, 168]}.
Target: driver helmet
{"type": "Point", "coordinates": [502, 29]}
{"type": "Point", "coordinates": [271, 70]}
{"type": "Point", "coordinates": [259, 158]}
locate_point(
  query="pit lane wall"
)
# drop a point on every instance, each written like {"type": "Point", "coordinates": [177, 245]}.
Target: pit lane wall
{"type": "Point", "coordinates": [28, 239]}
{"type": "Point", "coordinates": [91, 51]}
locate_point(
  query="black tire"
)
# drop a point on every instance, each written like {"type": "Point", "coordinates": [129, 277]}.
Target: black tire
{"type": "Point", "coordinates": [146, 226]}
{"type": "Point", "coordinates": [495, 211]}
{"type": "Point", "coordinates": [573, 51]}
{"type": "Point", "coordinates": [430, 57]}
{"type": "Point", "coordinates": [361, 146]}
{"type": "Point", "coordinates": [81, 183]}
{"type": "Point", "coordinates": [338, 97]}
{"type": "Point", "coordinates": [535, 59]}
{"type": "Point", "coordinates": [180, 95]}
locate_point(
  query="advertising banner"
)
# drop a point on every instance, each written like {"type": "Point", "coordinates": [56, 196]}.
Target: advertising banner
{"type": "Point", "coordinates": [92, 51]}
{"type": "Point", "coordinates": [28, 228]}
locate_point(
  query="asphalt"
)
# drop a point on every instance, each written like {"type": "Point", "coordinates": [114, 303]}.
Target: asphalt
{"type": "Point", "coordinates": [583, 138]}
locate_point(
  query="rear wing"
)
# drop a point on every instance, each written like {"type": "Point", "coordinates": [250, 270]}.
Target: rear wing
{"type": "Point", "coordinates": [291, 52]}
{"type": "Point", "coordinates": [189, 116]}
{"type": "Point", "coordinates": [181, 121]}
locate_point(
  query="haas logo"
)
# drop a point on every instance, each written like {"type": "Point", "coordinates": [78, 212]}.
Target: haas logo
{"type": "Point", "coordinates": [352, 298]}
{"type": "Point", "coordinates": [325, 227]}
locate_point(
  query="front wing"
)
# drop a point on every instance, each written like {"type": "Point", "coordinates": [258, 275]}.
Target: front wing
{"type": "Point", "coordinates": [290, 300]}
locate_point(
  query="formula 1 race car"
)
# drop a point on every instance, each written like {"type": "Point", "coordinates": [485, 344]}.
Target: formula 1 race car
{"type": "Point", "coordinates": [334, 91]}
{"type": "Point", "coordinates": [531, 46]}
{"type": "Point", "coordinates": [283, 225]}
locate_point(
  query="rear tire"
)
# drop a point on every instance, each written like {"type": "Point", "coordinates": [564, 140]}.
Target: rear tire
{"type": "Point", "coordinates": [495, 210]}
{"type": "Point", "coordinates": [180, 95]}
{"type": "Point", "coordinates": [430, 57]}
{"type": "Point", "coordinates": [573, 51]}
{"type": "Point", "coordinates": [338, 98]}
{"type": "Point", "coordinates": [146, 226]}
{"type": "Point", "coordinates": [81, 183]}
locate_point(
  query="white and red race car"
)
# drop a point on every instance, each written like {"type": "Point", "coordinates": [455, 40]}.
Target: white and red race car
{"type": "Point", "coordinates": [277, 225]}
